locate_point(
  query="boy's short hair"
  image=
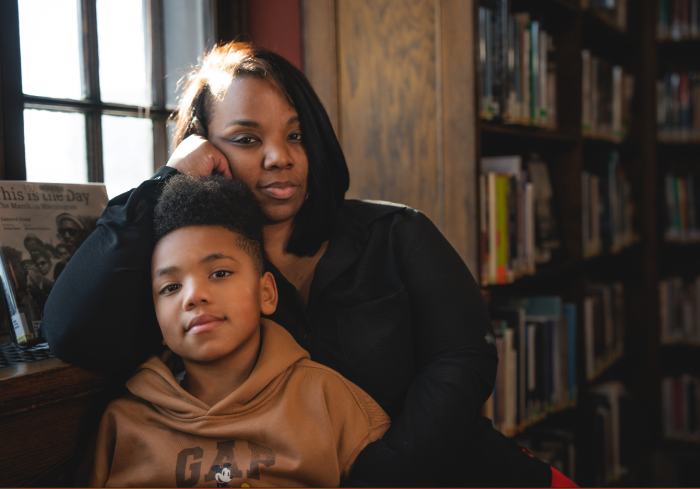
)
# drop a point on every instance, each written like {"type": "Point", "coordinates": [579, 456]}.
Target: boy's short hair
{"type": "Point", "coordinates": [212, 201]}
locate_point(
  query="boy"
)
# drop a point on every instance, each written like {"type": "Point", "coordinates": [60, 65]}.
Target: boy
{"type": "Point", "coordinates": [251, 409]}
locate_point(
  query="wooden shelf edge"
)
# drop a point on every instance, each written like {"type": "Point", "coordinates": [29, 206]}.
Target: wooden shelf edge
{"type": "Point", "coordinates": [607, 364]}
{"type": "Point", "coordinates": [518, 130]}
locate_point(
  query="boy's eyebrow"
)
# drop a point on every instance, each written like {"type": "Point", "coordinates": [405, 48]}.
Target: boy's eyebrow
{"type": "Point", "coordinates": [217, 256]}
{"type": "Point", "coordinates": [164, 271]}
{"type": "Point", "coordinates": [214, 256]}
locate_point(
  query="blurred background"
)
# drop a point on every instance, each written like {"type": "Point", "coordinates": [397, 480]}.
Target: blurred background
{"type": "Point", "coordinates": [555, 143]}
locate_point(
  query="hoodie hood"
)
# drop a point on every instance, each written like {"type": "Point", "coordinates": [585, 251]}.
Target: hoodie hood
{"type": "Point", "coordinates": [155, 383]}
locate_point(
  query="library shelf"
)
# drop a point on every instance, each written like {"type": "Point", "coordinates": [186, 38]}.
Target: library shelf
{"type": "Point", "coordinates": [609, 257]}
{"type": "Point", "coordinates": [556, 7]}
{"type": "Point", "coordinates": [606, 366]}
{"type": "Point", "coordinates": [600, 33]}
{"type": "Point", "coordinates": [558, 408]}
{"type": "Point", "coordinates": [542, 274]}
{"type": "Point", "coordinates": [489, 128]}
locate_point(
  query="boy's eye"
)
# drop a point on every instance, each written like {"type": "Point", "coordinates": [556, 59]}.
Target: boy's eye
{"type": "Point", "coordinates": [221, 274]}
{"type": "Point", "coordinates": [170, 288]}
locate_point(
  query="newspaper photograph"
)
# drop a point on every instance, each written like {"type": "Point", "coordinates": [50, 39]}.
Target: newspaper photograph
{"type": "Point", "coordinates": [41, 227]}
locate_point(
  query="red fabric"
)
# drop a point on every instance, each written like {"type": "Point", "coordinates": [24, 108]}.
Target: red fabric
{"type": "Point", "coordinates": [560, 480]}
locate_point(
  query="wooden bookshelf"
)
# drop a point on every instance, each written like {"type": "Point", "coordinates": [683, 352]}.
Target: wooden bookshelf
{"type": "Point", "coordinates": [434, 67]}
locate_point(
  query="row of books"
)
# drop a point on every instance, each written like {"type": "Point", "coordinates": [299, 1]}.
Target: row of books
{"type": "Point", "coordinates": [680, 404]}
{"type": "Point", "coordinates": [603, 326]}
{"type": "Point", "coordinates": [517, 224]}
{"type": "Point", "coordinates": [536, 343]}
{"type": "Point", "coordinates": [613, 12]}
{"type": "Point", "coordinates": [678, 107]}
{"type": "Point", "coordinates": [518, 73]}
{"type": "Point", "coordinates": [678, 20]}
{"type": "Point", "coordinates": [607, 98]}
{"type": "Point", "coordinates": [607, 209]}
{"type": "Point", "coordinates": [611, 432]}
{"type": "Point", "coordinates": [681, 209]}
{"type": "Point", "coordinates": [679, 310]}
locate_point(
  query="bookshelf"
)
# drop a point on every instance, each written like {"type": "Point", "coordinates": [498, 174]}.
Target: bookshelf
{"type": "Point", "coordinates": [578, 274]}
{"type": "Point", "coordinates": [436, 68]}
{"type": "Point", "coordinates": [677, 151]}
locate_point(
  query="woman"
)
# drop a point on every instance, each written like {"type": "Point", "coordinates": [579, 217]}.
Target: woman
{"type": "Point", "coordinates": [373, 291]}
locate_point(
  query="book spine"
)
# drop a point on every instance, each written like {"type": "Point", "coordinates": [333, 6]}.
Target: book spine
{"type": "Point", "coordinates": [617, 104]}
{"type": "Point", "coordinates": [586, 213]}
{"type": "Point", "coordinates": [527, 74]}
{"type": "Point", "coordinates": [484, 229]}
{"type": "Point", "coordinates": [534, 71]}
{"type": "Point", "coordinates": [502, 237]}
{"type": "Point", "coordinates": [493, 228]}
{"type": "Point", "coordinates": [586, 96]}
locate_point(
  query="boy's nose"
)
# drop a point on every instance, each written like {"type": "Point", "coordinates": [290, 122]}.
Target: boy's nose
{"type": "Point", "coordinates": [197, 294]}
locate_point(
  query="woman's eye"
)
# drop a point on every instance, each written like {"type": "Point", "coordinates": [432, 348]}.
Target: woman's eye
{"type": "Point", "coordinates": [221, 274]}
{"type": "Point", "coordinates": [295, 137]}
{"type": "Point", "coordinates": [245, 140]}
{"type": "Point", "coordinates": [170, 288]}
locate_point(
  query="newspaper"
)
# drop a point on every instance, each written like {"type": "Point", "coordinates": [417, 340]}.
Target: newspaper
{"type": "Point", "coordinates": [41, 227]}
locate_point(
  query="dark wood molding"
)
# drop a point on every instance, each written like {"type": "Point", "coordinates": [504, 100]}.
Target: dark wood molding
{"type": "Point", "coordinates": [231, 20]}
{"type": "Point", "coordinates": [12, 115]}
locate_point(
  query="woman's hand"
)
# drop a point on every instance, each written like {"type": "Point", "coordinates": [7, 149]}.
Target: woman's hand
{"type": "Point", "coordinates": [196, 156]}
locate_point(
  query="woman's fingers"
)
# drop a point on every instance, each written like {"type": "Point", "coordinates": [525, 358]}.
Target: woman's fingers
{"type": "Point", "coordinates": [197, 156]}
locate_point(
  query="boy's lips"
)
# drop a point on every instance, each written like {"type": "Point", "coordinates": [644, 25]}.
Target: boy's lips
{"type": "Point", "coordinates": [203, 323]}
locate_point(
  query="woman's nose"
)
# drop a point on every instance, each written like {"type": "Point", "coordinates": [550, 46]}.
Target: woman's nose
{"type": "Point", "coordinates": [278, 156]}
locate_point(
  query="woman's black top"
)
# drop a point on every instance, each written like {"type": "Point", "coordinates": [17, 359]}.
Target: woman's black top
{"type": "Point", "coordinates": [392, 307]}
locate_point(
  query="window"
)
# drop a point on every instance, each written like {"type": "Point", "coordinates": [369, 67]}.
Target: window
{"type": "Point", "coordinates": [98, 84]}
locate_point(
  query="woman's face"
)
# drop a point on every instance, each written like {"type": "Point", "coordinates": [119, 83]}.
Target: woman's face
{"type": "Point", "coordinates": [258, 131]}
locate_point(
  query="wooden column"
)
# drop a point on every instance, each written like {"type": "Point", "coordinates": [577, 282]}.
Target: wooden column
{"type": "Point", "coordinates": [397, 79]}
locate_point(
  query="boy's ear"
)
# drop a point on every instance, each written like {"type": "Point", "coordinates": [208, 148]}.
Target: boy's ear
{"type": "Point", "coordinates": [268, 294]}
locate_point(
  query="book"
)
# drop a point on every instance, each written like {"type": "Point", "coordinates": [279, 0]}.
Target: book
{"type": "Point", "coordinates": [547, 241]}
{"type": "Point", "coordinates": [517, 67]}
{"type": "Point", "coordinates": [41, 227]}
{"type": "Point", "coordinates": [507, 220]}
{"type": "Point", "coordinates": [678, 106]}
{"type": "Point", "coordinates": [679, 311]}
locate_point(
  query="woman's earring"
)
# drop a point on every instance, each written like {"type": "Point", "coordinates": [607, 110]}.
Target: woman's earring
{"type": "Point", "coordinates": [307, 196]}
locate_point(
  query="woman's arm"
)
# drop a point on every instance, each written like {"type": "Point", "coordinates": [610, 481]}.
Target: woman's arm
{"type": "Point", "coordinates": [100, 312]}
{"type": "Point", "coordinates": [456, 357]}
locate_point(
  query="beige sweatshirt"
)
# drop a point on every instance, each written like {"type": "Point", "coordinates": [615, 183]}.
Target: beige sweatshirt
{"type": "Point", "coordinates": [292, 423]}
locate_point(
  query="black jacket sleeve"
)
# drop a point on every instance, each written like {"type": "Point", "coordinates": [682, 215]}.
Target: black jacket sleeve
{"type": "Point", "coordinates": [100, 313]}
{"type": "Point", "coordinates": [454, 345]}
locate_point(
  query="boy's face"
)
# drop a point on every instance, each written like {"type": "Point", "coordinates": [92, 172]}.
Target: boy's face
{"type": "Point", "coordinates": [208, 295]}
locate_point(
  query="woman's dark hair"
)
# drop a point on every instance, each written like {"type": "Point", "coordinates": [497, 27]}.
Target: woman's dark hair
{"type": "Point", "coordinates": [211, 201]}
{"type": "Point", "coordinates": [328, 178]}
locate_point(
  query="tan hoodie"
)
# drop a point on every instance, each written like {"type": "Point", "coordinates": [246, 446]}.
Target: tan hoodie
{"type": "Point", "coordinates": [292, 423]}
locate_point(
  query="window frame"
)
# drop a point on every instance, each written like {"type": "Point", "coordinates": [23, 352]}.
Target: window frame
{"type": "Point", "coordinates": [226, 20]}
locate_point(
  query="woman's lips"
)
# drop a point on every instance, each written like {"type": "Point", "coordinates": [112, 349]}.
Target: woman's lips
{"type": "Point", "coordinates": [203, 323]}
{"type": "Point", "coordinates": [280, 190]}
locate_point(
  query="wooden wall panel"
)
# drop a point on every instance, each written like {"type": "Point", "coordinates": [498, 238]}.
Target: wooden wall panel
{"type": "Point", "coordinates": [397, 77]}
{"type": "Point", "coordinates": [459, 132]}
{"type": "Point", "coordinates": [387, 91]}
